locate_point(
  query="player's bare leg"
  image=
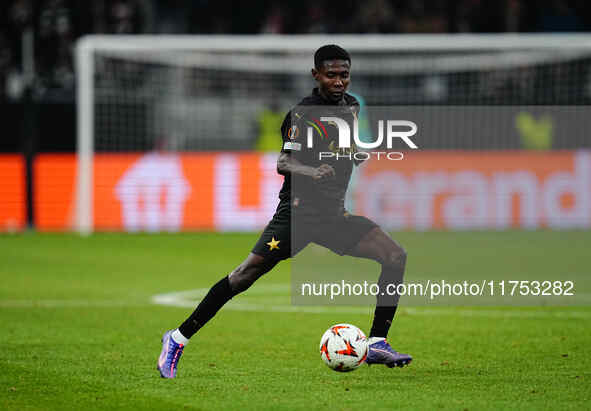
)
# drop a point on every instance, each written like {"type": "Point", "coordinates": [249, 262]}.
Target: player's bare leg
{"type": "Point", "coordinates": [380, 247]}
{"type": "Point", "coordinates": [240, 279]}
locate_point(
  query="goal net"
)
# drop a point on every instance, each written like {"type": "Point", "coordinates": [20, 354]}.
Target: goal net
{"type": "Point", "coordinates": [137, 94]}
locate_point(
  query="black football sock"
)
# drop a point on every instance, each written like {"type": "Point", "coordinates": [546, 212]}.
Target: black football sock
{"type": "Point", "coordinates": [387, 304]}
{"type": "Point", "coordinates": [217, 296]}
{"type": "Point", "coordinates": [382, 320]}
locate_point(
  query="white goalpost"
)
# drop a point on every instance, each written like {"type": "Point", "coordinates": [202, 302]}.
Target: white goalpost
{"type": "Point", "coordinates": [202, 93]}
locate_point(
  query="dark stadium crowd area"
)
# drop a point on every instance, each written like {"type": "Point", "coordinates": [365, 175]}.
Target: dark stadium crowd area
{"type": "Point", "coordinates": [54, 25]}
{"type": "Point", "coordinates": [38, 37]}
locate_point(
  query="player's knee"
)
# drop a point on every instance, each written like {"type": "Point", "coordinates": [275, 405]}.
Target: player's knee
{"type": "Point", "coordinates": [241, 278]}
{"type": "Point", "coordinates": [245, 275]}
{"type": "Point", "coordinates": [395, 258]}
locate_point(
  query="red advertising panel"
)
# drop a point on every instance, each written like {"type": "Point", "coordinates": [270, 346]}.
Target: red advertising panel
{"type": "Point", "coordinates": [161, 192]}
{"type": "Point", "coordinates": [12, 192]}
{"type": "Point", "coordinates": [238, 192]}
{"type": "Point", "coordinates": [475, 190]}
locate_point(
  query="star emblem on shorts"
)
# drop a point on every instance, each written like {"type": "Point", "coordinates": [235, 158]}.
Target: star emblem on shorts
{"type": "Point", "coordinates": [273, 244]}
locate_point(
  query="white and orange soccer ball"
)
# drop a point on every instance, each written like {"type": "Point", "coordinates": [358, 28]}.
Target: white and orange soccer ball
{"type": "Point", "coordinates": [343, 347]}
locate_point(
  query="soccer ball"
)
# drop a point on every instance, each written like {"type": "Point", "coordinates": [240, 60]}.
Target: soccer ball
{"type": "Point", "coordinates": [343, 347]}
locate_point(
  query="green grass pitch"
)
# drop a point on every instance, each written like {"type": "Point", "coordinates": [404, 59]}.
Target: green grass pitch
{"type": "Point", "coordinates": [79, 330]}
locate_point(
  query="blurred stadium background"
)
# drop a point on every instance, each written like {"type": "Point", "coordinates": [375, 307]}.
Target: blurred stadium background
{"type": "Point", "coordinates": [218, 101]}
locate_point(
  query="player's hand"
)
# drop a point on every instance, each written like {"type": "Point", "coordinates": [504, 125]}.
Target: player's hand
{"type": "Point", "coordinates": [324, 171]}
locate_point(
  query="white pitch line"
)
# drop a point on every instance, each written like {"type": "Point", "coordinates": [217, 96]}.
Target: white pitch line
{"type": "Point", "coordinates": [190, 299]}
{"type": "Point", "coordinates": [68, 303]}
{"type": "Point", "coordinates": [275, 298]}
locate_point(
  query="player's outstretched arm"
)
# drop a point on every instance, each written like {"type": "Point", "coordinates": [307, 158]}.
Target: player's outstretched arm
{"type": "Point", "coordinates": [286, 164]}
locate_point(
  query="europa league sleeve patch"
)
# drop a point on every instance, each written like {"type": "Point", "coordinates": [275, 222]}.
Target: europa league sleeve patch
{"type": "Point", "coordinates": [289, 145]}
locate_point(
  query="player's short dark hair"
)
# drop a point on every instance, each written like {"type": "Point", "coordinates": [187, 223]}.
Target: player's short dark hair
{"type": "Point", "coordinates": [330, 52]}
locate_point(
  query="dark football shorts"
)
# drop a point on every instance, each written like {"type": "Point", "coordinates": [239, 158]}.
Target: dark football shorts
{"type": "Point", "coordinates": [285, 236]}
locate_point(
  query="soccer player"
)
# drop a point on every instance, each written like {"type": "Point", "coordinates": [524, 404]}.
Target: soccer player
{"type": "Point", "coordinates": [316, 200]}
